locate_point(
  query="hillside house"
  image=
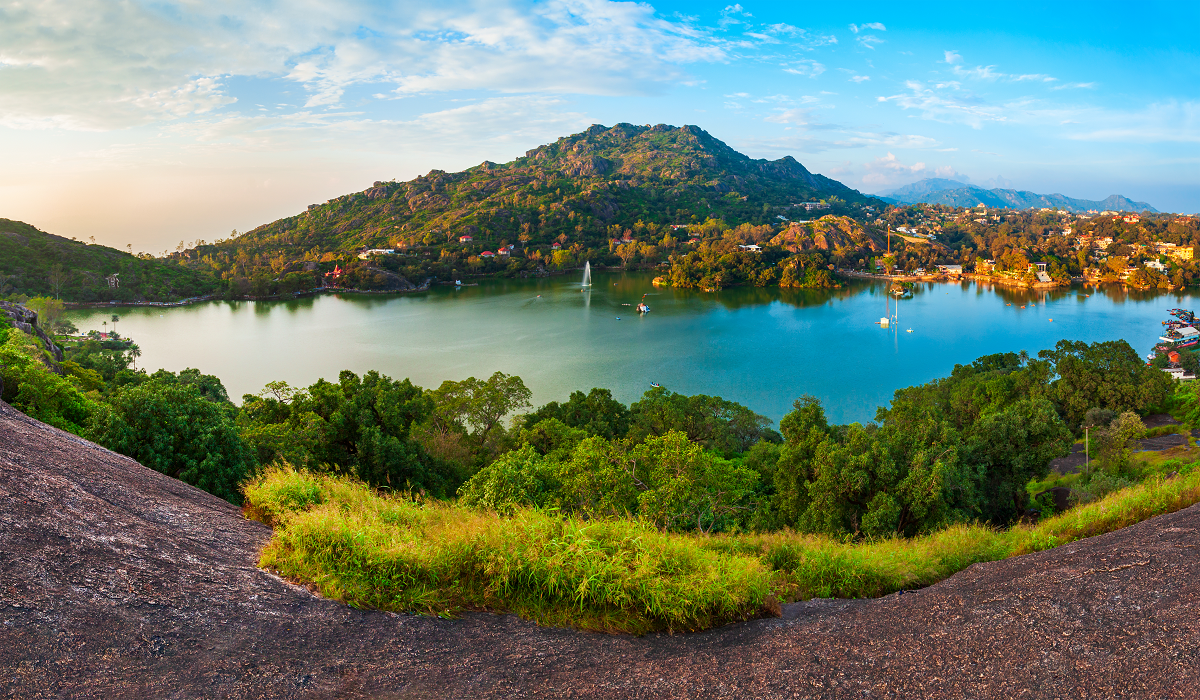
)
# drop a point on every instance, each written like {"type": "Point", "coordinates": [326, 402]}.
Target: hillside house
{"type": "Point", "coordinates": [465, 239]}
{"type": "Point", "coordinates": [752, 248]}
{"type": "Point", "coordinates": [487, 254]}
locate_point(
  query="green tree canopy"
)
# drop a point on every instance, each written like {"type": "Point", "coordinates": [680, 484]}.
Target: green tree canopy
{"type": "Point", "coordinates": [172, 428]}
{"type": "Point", "coordinates": [717, 424]}
{"type": "Point", "coordinates": [596, 412]}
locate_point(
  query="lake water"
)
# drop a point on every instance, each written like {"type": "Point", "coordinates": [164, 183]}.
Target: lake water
{"type": "Point", "coordinates": [760, 347]}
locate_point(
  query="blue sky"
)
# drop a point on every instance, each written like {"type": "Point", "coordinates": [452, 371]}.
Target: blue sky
{"type": "Point", "coordinates": [151, 123]}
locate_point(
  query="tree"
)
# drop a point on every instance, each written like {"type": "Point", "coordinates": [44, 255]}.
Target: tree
{"type": "Point", "coordinates": [30, 387]}
{"type": "Point", "coordinates": [627, 251]}
{"type": "Point", "coordinates": [49, 311]}
{"type": "Point", "coordinates": [481, 404]}
{"type": "Point", "coordinates": [57, 278]}
{"type": "Point", "coordinates": [596, 412]}
{"type": "Point", "coordinates": [1106, 375]}
{"type": "Point", "coordinates": [715, 423]}
{"type": "Point", "coordinates": [804, 429]}
{"type": "Point", "coordinates": [1011, 447]}
{"type": "Point", "coordinates": [173, 429]}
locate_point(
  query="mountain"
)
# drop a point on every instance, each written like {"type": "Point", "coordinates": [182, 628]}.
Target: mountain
{"type": "Point", "coordinates": [923, 187]}
{"type": "Point", "coordinates": [579, 186]}
{"type": "Point", "coordinates": [36, 263]}
{"type": "Point", "coordinates": [957, 194]}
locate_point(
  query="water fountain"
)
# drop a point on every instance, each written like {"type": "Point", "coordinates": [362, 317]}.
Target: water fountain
{"type": "Point", "coordinates": [587, 276]}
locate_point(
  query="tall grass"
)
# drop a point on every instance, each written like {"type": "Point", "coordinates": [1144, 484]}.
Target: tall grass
{"type": "Point", "coordinates": [393, 553]}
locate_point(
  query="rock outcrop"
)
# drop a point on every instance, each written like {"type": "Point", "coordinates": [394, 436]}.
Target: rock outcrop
{"type": "Point", "coordinates": [27, 320]}
{"type": "Point", "coordinates": [827, 233]}
{"type": "Point", "coordinates": [119, 582]}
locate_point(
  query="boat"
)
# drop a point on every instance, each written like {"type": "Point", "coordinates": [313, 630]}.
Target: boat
{"type": "Point", "coordinates": [656, 385]}
{"type": "Point", "coordinates": [642, 308]}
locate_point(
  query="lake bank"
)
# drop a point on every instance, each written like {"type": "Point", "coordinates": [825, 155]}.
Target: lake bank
{"type": "Point", "coordinates": [762, 347]}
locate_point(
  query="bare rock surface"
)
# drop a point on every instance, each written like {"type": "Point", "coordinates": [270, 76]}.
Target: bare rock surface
{"type": "Point", "coordinates": [118, 582]}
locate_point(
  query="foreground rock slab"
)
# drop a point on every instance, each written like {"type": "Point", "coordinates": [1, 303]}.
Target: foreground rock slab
{"type": "Point", "coordinates": [118, 582]}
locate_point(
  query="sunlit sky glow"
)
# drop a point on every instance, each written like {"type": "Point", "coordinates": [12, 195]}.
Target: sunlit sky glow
{"type": "Point", "coordinates": [152, 123]}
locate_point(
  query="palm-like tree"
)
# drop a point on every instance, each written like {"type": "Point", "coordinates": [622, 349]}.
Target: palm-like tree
{"type": "Point", "coordinates": [115, 318]}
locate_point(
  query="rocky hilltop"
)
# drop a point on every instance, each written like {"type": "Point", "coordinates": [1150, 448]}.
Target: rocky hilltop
{"type": "Point", "coordinates": [119, 582]}
{"type": "Point", "coordinates": [577, 186]}
{"type": "Point", "coordinates": [833, 233]}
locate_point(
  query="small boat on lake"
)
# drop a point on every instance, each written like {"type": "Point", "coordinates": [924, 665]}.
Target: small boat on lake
{"type": "Point", "coordinates": [642, 308]}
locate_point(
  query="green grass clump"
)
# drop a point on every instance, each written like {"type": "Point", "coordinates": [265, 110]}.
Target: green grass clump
{"type": "Point", "coordinates": [396, 554]}
{"type": "Point", "coordinates": [393, 553]}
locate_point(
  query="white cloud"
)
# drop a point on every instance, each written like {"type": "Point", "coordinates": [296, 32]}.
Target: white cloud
{"type": "Point", "coordinates": [795, 117]}
{"type": "Point", "coordinates": [886, 170]}
{"type": "Point", "coordinates": [952, 57]}
{"type": "Point", "coordinates": [940, 104]}
{"type": "Point", "coordinates": [1167, 122]}
{"type": "Point", "coordinates": [869, 41]}
{"type": "Point", "coordinates": [1073, 86]}
{"type": "Point", "coordinates": [94, 64]}
{"type": "Point", "coordinates": [856, 28]}
{"type": "Point", "coordinates": [860, 78]}
{"type": "Point", "coordinates": [806, 67]}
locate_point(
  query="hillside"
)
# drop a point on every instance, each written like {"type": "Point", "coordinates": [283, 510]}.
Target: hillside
{"type": "Point", "coordinates": [957, 194]}
{"type": "Point", "coordinates": [36, 263]}
{"type": "Point", "coordinates": [576, 187]}
{"type": "Point", "coordinates": [122, 582]}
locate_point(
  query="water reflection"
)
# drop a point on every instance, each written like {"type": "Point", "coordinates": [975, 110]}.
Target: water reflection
{"type": "Point", "coordinates": [760, 346]}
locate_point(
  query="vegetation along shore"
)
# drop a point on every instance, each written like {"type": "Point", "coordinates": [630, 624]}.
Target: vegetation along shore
{"type": "Point", "coordinates": [675, 512]}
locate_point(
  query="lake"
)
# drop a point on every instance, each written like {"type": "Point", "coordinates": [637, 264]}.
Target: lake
{"type": "Point", "coordinates": [760, 347]}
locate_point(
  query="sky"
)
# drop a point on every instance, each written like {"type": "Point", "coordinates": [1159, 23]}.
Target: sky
{"type": "Point", "coordinates": [153, 123]}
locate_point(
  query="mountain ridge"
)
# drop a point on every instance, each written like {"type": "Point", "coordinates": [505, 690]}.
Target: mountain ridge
{"type": "Point", "coordinates": [577, 186]}
{"type": "Point", "coordinates": [960, 194]}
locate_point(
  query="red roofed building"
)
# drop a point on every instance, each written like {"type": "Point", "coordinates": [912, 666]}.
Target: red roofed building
{"type": "Point", "coordinates": [488, 254]}
{"type": "Point", "coordinates": [465, 239]}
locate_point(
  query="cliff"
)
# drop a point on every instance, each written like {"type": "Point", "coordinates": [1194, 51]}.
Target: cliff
{"type": "Point", "coordinates": [117, 581]}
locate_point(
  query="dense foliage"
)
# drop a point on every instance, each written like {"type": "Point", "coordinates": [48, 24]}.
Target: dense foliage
{"type": "Point", "coordinates": [34, 263]}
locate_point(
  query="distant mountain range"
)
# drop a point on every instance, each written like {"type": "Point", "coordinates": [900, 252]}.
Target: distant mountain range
{"type": "Point", "coordinates": [959, 194]}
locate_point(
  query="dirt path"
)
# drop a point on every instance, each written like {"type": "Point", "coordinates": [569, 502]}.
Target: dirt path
{"type": "Point", "coordinates": [118, 582]}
